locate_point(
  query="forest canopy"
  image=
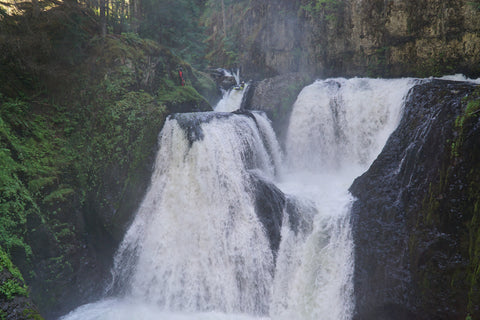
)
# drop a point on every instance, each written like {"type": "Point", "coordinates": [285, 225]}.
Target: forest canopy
{"type": "Point", "coordinates": [175, 24]}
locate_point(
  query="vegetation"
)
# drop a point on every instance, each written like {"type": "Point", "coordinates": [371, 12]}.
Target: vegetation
{"type": "Point", "coordinates": [175, 24]}
{"type": "Point", "coordinates": [14, 285]}
{"type": "Point", "coordinates": [85, 87]}
{"type": "Point", "coordinates": [79, 117]}
{"type": "Point", "coordinates": [223, 43]}
{"type": "Point", "coordinates": [13, 290]}
{"type": "Point", "coordinates": [328, 8]}
{"type": "Point", "coordinates": [475, 4]}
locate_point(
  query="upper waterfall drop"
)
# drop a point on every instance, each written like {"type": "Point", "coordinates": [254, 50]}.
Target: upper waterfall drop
{"type": "Point", "coordinates": [343, 122]}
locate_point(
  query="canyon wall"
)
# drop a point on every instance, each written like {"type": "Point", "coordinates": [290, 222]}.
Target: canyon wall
{"type": "Point", "coordinates": [353, 37]}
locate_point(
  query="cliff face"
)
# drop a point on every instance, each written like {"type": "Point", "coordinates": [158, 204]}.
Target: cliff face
{"type": "Point", "coordinates": [416, 217]}
{"type": "Point", "coordinates": [356, 38]}
{"type": "Point", "coordinates": [422, 38]}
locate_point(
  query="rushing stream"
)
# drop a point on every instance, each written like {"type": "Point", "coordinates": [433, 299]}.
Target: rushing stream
{"type": "Point", "coordinates": [232, 228]}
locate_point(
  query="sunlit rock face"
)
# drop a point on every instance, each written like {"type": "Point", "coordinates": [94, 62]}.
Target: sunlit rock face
{"type": "Point", "coordinates": [352, 38]}
{"type": "Point", "coordinates": [414, 221]}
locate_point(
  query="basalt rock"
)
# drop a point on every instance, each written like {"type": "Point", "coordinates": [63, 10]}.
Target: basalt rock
{"type": "Point", "coordinates": [356, 37]}
{"type": "Point", "coordinates": [275, 96]}
{"type": "Point", "coordinates": [415, 218]}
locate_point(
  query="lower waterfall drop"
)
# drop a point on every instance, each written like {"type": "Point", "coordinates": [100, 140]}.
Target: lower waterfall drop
{"type": "Point", "coordinates": [230, 230]}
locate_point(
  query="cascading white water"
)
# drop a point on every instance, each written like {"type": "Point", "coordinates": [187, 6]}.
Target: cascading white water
{"type": "Point", "coordinates": [336, 130]}
{"type": "Point", "coordinates": [198, 243]}
{"type": "Point", "coordinates": [341, 123]}
{"type": "Point", "coordinates": [231, 101]}
{"type": "Point", "coordinates": [197, 248]}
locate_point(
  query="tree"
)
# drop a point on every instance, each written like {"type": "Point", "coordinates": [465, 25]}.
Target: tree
{"type": "Point", "coordinates": [224, 20]}
{"type": "Point", "coordinates": [103, 18]}
{"type": "Point", "coordinates": [175, 23]}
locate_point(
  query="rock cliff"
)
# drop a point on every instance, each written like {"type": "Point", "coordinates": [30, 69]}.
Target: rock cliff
{"type": "Point", "coordinates": [415, 220]}
{"type": "Point", "coordinates": [355, 37]}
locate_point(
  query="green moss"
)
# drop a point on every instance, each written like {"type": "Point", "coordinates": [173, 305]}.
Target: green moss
{"type": "Point", "coordinates": [330, 8]}
{"type": "Point", "coordinates": [475, 4]}
{"type": "Point", "coordinates": [32, 314]}
{"type": "Point", "coordinates": [451, 205]}
{"type": "Point", "coordinates": [178, 94]}
{"type": "Point", "coordinates": [6, 264]}
{"type": "Point", "coordinates": [470, 209]}
{"type": "Point", "coordinates": [26, 154]}
{"type": "Point", "coordinates": [473, 107]}
{"type": "Point", "coordinates": [11, 288]}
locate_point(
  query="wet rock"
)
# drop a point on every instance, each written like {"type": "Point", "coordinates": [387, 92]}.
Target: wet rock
{"type": "Point", "coordinates": [409, 248]}
{"type": "Point", "coordinates": [275, 96]}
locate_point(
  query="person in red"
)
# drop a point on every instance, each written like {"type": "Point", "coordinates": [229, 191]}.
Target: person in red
{"type": "Point", "coordinates": [180, 75]}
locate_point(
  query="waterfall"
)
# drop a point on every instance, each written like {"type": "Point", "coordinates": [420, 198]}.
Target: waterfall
{"type": "Point", "coordinates": [231, 101]}
{"type": "Point", "coordinates": [337, 128]}
{"type": "Point", "coordinates": [230, 228]}
{"type": "Point", "coordinates": [341, 123]}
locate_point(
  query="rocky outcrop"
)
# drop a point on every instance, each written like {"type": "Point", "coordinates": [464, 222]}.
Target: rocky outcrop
{"type": "Point", "coordinates": [356, 38]}
{"type": "Point", "coordinates": [415, 220]}
{"type": "Point", "coordinates": [275, 96]}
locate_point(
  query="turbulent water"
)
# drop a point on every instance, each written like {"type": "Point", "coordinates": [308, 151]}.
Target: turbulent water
{"type": "Point", "coordinates": [203, 245]}
{"type": "Point", "coordinates": [232, 101]}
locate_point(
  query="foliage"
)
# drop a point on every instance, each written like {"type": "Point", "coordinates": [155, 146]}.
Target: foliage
{"type": "Point", "coordinates": [26, 148]}
{"type": "Point", "coordinates": [174, 23]}
{"type": "Point", "coordinates": [11, 288]}
{"type": "Point", "coordinates": [328, 8]}
{"type": "Point", "coordinates": [79, 120]}
{"type": "Point", "coordinates": [14, 284]}
{"type": "Point", "coordinates": [80, 140]}
{"type": "Point", "coordinates": [475, 4]}
{"type": "Point", "coordinates": [223, 43]}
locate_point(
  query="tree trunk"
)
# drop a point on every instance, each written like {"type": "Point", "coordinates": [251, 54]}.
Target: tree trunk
{"type": "Point", "coordinates": [103, 18]}
{"type": "Point", "coordinates": [135, 15]}
{"type": "Point", "coordinates": [36, 8]}
{"type": "Point", "coordinates": [122, 18]}
{"type": "Point", "coordinates": [224, 20]}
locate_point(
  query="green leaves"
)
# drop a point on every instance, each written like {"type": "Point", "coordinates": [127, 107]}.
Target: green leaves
{"type": "Point", "coordinates": [475, 4]}
{"type": "Point", "coordinates": [175, 24]}
{"type": "Point", "coordinates": [328, 8]}
{"type": "Point", "coordinates": [14, 284]}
